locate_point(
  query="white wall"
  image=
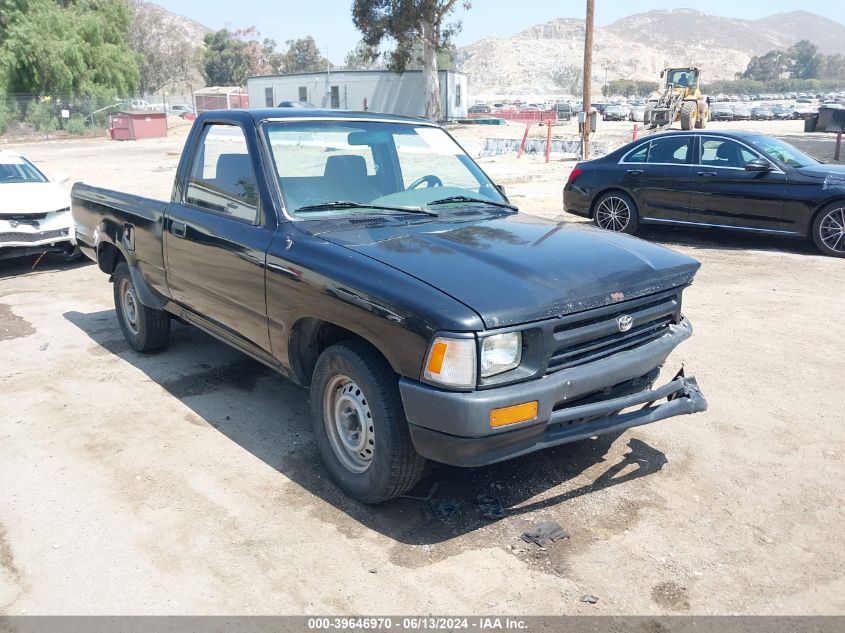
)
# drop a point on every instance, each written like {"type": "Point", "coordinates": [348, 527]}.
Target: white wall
{"type": "Point", "coordinates": [384, 92]}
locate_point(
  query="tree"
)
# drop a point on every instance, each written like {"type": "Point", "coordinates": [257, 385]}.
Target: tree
{"type": "Point", "coordinates": [805, 61]}
{"type": "Point", "coordinates": [772, 65]}
{"type": "Point", "coordinates": [362, 57]}
{"type": "Point", "coordinates": [410, 22]}
{"type": "Point", "coordinates": [166, 54]}
{"type": "Point", "coordinates": [303, 56]}
{"type": "Point", "coordinates": [69, 49]}
{"type": "Point", "coordinates": [231, 56]}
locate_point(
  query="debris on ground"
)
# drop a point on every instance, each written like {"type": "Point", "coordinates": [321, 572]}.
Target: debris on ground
{"type": "Point", "coordinates": [589, 599]}
{"type": "Point", "coordinates": [542, 533]}
{"type": "Point", "coordinates": [490, 507]}
{"type": "Point", "coordinates": [442, 507]}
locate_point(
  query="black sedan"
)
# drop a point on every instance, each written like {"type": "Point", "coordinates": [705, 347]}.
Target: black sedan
{"type": "Point", "coordinates": [737, 180]}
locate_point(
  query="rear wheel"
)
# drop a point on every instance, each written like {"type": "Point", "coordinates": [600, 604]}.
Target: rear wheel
{"type": "Point", "coordinates": [145, 329]}
{"type": "Point", "coordinates": [688, 115]}
{"type": "Point", "coordinates": [616, 211]}
{"type": "Point", "coordinates": [829, 230]}
{"type": "Point", "coordinates": [701, 121]}
{"type": "Point", "coordinates": [360, 425]}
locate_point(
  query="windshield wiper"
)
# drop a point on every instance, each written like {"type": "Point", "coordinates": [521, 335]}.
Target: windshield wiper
{"type": "Point", "coordinates": [451, 199]}
{"type": "Point", "coordinates": [349, 204]}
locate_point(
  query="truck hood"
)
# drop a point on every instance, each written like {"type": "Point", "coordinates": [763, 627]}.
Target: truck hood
{"type": "Point", "coordinates": [518, 269]}
{"type": "Point", "coordinates": [18, 198]}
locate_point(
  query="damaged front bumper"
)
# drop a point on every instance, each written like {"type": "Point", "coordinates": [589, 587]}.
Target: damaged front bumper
{"type": "Point", "coordinates": [52, 231]}
{"type": "Point", "coordinates": [454, 428]}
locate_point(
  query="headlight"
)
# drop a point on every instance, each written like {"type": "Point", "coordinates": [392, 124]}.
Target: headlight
{"type": "Point", "coordinates": [500, 353]}
{"type": "Point", "coordinates": [451, 362]}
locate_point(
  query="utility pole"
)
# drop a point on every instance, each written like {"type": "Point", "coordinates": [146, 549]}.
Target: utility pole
{"type": "Point", "coordinates": [588, 76]}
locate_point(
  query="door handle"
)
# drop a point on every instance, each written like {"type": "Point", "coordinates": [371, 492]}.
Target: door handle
{"type": "Point", "coordinates": [707, 174]}
{"type": "Point", "coordinates": [635, 172]}
{"type": "Point", "coordinates": [179, 229]}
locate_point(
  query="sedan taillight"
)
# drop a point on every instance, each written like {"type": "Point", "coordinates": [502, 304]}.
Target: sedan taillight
{"type": "Point", "coordinates": [577, 171]}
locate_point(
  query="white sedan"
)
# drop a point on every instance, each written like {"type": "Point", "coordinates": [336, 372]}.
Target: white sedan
{"type": "Point", "coordinates": [34, 210]}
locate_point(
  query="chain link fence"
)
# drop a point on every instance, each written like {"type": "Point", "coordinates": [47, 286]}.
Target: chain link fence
{"type": "Point", "coordinates": [23, 116]}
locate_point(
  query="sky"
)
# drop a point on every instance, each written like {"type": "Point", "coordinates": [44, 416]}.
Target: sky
{"type": "Point", "coordinates": [329, 22]}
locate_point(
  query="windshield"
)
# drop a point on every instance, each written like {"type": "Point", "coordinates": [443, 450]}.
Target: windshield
{"type": "Point", "coordinates": [784, 153]}
{"type": "Point", "coordinates": [17, 169]}
{"type": "Point", "coordinates": [371, 163]}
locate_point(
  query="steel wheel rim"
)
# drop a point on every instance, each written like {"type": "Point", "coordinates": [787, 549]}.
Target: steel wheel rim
{"type": "Point", "coordinates": [349, 423]}
{"type": "Point", "coordinates": [129, 303]}
{"type": "Point", "coordinates": [832, 230]}
{"type": "Point", "coordinates": [613, 214]}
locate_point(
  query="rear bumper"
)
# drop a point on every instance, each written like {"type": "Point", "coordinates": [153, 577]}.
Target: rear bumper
{"type": "Point", "coordinates": [572, 404]}
{"type": "Point", "coordinates": [576, 202]}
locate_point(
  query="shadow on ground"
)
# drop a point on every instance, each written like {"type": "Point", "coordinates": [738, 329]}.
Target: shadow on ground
{"type": "Point", "coordinates": [275, 427]}
{"type": "Point", "coordinates": [36, 264]}
{"type": "Point", "coordinates": [704, 238]}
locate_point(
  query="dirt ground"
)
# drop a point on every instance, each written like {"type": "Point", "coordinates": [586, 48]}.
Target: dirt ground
{"type": "Point", "coordinates": [188, 481]}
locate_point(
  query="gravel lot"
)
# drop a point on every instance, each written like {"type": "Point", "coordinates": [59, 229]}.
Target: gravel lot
{"type": "Point", "coordinates": [188, 481]}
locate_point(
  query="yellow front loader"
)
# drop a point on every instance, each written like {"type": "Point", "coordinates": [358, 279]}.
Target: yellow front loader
{"type": "Point", "coordinates": [678, 99]}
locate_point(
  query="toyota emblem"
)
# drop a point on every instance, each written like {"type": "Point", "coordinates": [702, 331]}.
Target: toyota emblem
{"type": "Point", "coordinates": [625, 322]}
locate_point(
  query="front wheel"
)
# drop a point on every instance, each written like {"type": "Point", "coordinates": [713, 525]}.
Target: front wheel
{"type": "Point", "coordinates": [360, 426]}
{"type": "Point", "coordinates": [829, 230]}
{"type": "Point", "coordinates": [145, 329]}
{"type": "Point", "coordinates": [688, 112]}
{"type": "Point", "coordinates": [616, 211]}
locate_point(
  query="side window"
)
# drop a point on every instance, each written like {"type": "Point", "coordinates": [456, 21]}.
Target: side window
{"type": "Point", "coordinates": [669, 149]}
{"type": "Point", "coordinates": [722, 152]}
{"type": "Point", "coordinates": [222, 179]}
{"type": "Point", "coordinates": [639, 155]}
{"type": "Point", "coordinates": [457, 95]}
{"type": "Point", "coordinates": [268, 97]}
{"type": "Point", "coordinates": [335, 97]}
{"type": "Point", "coordinates": [303, 93]}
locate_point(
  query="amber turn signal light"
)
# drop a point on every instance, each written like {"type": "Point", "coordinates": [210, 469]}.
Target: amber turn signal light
{"type": "Point", "coordinates": [511, 415]}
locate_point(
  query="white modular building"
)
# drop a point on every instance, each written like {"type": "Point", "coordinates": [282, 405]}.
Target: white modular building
{"type": "Point", "coordinates": [361, 90]}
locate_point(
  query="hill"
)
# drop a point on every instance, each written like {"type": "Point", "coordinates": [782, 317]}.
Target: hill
{"type": "Point", "coordinates": [637, 47]}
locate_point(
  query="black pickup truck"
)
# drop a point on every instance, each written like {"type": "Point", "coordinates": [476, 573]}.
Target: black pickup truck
{"type": "Point", "coordinates": [369, 258]}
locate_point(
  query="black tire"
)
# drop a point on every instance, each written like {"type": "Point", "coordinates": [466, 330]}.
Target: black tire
{"type": "Point", "coordinates": [701, 122]}
{"type": "Point", "coordinates": [616, 211]}
{"type": "Point", "coordinates": [145, 329]}
{"type": "Point", "coordinates": [648, 113]}
{"type": "Point", "coordinates": [393, 466]}
{"type": "Point", "coordinates": [829, 229]}
{"type": "Point", "coordinates": [687, 115]}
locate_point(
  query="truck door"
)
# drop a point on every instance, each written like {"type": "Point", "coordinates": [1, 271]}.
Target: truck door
{"type": "Point", "coordinates": [216, 239]}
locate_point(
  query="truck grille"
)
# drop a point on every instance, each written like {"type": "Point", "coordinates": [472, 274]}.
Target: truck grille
{"type": "Point", "coordinates": [17, 236]}
{"type": "Point", "coordinates": [595, 334]}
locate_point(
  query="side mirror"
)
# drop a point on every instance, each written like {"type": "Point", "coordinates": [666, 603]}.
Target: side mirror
{"type": "Point", "coordinates": [501, 190]}
{"type": "Point", "coordinates": [60, 178]}
{"type": "Point", "coordinates": [758, 164]}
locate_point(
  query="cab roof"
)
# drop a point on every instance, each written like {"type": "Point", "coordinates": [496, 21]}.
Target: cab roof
{"type": "Point", "coordinates": [265, 114]}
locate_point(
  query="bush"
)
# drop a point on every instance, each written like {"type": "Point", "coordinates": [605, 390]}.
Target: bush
{"type": "Point", "coordinates": [40, 116]}
{"type": "Point", "coordinates": [8, 114]}
{"type": "Point", "coordinates": [76, 125]}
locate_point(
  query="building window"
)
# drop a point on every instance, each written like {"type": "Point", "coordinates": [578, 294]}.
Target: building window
{"type": "Point", "coordinates": [268, 97]}
{"type": "Point", "coordinates": [457, 95]}
{"type": "Point", "coordinates": [303, 93]}
{"type": "Point", "coordinates": [335, 97]}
